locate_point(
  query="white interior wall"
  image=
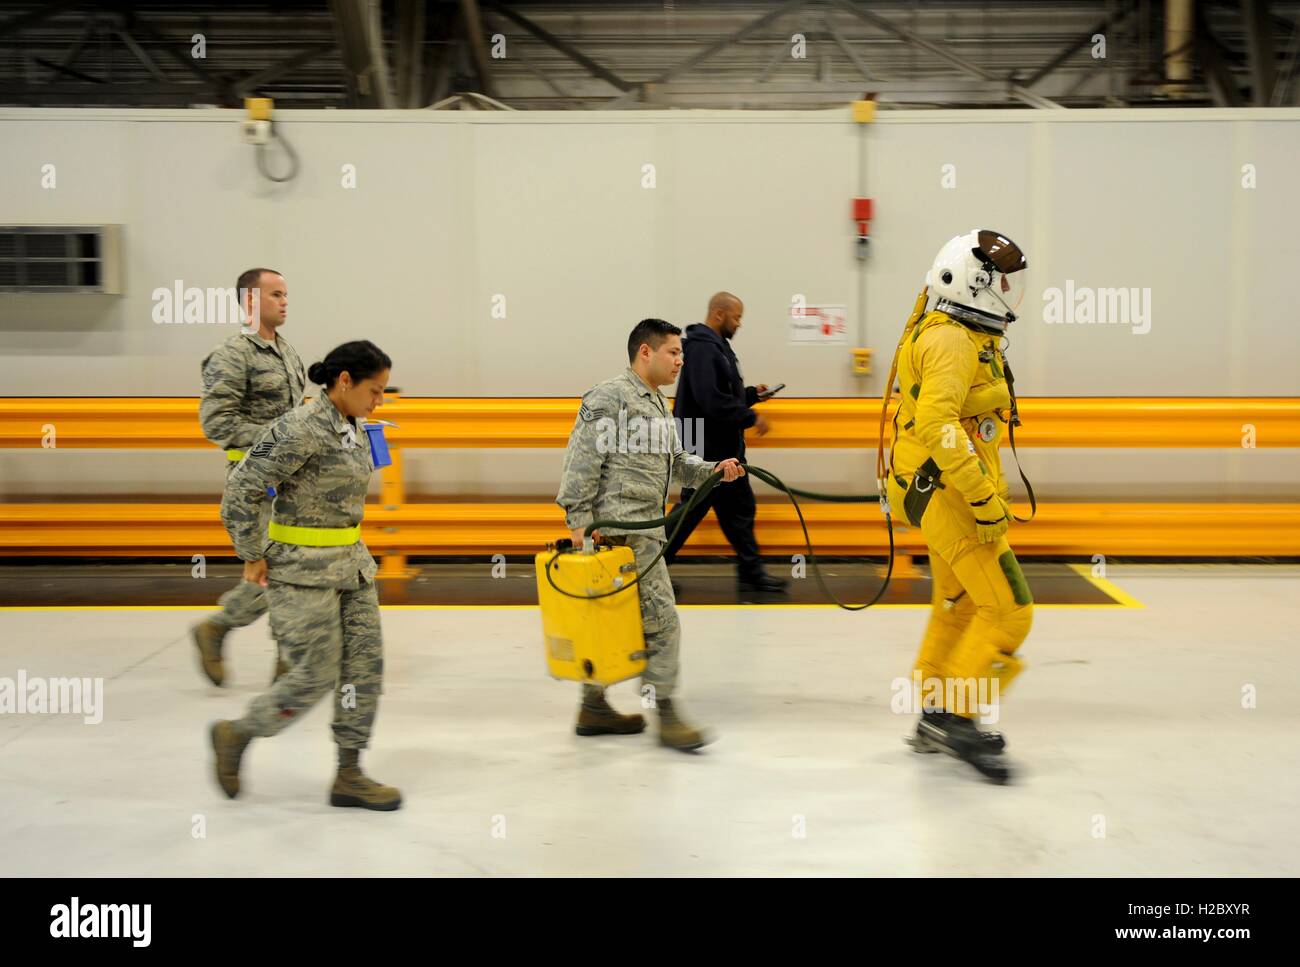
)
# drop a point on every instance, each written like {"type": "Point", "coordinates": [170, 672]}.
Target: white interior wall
{"type": "Point", "coordinates": [549, 211]}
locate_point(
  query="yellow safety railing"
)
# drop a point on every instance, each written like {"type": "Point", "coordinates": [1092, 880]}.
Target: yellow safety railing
{"type": "Point", "coordinates": [395, 528]}
{"type": "Point", "coordinates": [438, 528]}
{"type": "Point", "coordinates": [173, 422]}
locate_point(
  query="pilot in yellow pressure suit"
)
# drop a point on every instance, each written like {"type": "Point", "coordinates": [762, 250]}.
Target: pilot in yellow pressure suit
{"type": "Point", "coordinates": [945, 476]}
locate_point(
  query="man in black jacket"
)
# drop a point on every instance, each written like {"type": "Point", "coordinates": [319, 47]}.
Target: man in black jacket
{"type": "Point", "coordinates": [711, 389]}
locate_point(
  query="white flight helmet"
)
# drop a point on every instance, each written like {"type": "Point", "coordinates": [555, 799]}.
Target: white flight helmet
{"type": "Point", "coordinates": [977, 279]}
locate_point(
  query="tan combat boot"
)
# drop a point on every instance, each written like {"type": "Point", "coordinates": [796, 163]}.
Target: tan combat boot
{"type": "Point", "coordinates": [352, 787]}
{"type": "Point", "coordinates": [677, 734]}
{"type": "Point", "coordinates": [597, 717]}
{"type": "Point", "coordinates": [229, 744]}
{"type": "Point", "coordinates": [208, 636]}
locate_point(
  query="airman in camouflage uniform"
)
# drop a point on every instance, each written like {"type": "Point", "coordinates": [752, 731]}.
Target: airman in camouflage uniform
{"type": "Point", "coordinates": [320, 588]}
{"type": "Point", "coordinates": [248, 381]}
{"type": "Point", "coordinates": [616, 468]}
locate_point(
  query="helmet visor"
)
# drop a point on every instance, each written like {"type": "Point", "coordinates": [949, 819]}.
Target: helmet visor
{"type": "Point", "coordinates": [1000, 250]}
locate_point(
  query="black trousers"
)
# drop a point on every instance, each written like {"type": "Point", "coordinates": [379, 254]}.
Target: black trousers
{"type": "Point", "coordinates": [734, 505]}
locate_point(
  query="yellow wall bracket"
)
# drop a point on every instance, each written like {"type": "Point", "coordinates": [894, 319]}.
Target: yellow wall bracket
{"type": "Point", "coordinates": [259, 108]}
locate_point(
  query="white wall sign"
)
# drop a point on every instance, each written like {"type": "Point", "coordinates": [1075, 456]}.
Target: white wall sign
{"type": "Point", "coordinates": [823, 325]}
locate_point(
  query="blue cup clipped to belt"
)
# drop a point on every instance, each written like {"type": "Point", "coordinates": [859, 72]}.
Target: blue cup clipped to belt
{"type": "Point", "coordinates": [379, 455]}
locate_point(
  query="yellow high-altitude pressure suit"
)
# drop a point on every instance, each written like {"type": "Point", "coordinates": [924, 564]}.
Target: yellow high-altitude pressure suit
{"type": "Point", "coordinates": [945, 476]}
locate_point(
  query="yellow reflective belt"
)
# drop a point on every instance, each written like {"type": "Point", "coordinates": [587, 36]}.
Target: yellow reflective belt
{"type": "Point", "coordinates": [314, 536]}
{"type": "Point", "coordinates": [234, 455]}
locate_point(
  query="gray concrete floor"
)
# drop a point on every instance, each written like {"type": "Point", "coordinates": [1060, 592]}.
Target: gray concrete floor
{"type": "Point", "coordinates": [1135, 753]}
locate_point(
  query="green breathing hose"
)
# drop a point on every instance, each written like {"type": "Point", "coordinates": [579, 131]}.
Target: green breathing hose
{"type": "Point", "coordinates": [678, 517]}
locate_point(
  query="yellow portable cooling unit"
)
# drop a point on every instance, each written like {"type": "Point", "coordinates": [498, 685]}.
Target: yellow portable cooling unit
{"type": "Point", "coordinates": [591, 638]}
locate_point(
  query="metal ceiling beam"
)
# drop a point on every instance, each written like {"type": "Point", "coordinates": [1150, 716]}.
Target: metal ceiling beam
{"type": "Point", "coordinates": [1113, 96]}
{"type": "Point", "coordinates": [1218, 78]}
{"type": "Point", "coordinates": [965, 66]}
{"type": "Point", "coordinates": [1259, 43]}
{"type": "Point", "coordinates": [539, 74]}
{"type": "Point", "coordinates": [360, 39]}
{"type": "Point", "coordinates": [477, 43]}
{"type": "Point", "coordinates": [565, 48]}
{"type": "Point", "coordinates": [1286, 74]}
{"type": "Point", "coordinates": [443, 24]}
{"type": "Point", "coordinates": [410, 43]}
{"type": "Point", "coordinates": [1074, 46]}
{"type": "Point", "coordinates": [139, 52]}
{"type": "Point", "coordinates": [65, 66]}
{"type": "Point", "coordinates": [246, 85]}
{"type": "Point", "coordinates": [700, 57]}
{"type": "Point", "coordinates": [182, 57]}
{"type": "Point", "coordinates": [694, 61]}
{"type": "Point", "coordinates": [447, 28]}
{"type": "Point", "coordinates": [849, 52]}
{"type": "Point", "coordinates": [66, 71]}
{"type": "Point", "coordinates": [778, 57]}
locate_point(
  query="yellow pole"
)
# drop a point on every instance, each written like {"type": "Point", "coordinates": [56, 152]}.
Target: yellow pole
{"type": "Point", "coordinates": [392, 491]}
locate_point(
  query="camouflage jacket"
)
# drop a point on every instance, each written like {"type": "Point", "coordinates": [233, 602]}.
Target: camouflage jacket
{"type": "Point", "coordinates": [247, 383]}
{"type": "Point", "coordinates": [320, 465]}
{"type": "Point", "coordinates": [623, 453]}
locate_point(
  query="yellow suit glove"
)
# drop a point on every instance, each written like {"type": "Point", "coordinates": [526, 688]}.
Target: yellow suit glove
{"type": "Point", "coordinates": [992, 518]}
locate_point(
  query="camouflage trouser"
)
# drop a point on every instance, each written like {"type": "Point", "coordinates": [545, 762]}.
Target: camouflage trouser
{"type": "Point", "coordinates": [245, 602]}
{"type": "Point", "coordinates": [663, 632]}
{"type": "Point", "coordinates": [334, 642]}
